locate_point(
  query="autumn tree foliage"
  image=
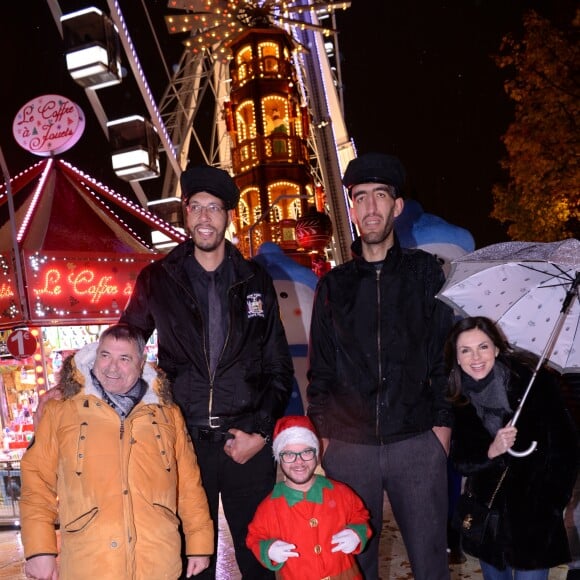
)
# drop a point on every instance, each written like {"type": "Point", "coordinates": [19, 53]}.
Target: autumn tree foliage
{"type": "Point", "coordinates": [541, 199]}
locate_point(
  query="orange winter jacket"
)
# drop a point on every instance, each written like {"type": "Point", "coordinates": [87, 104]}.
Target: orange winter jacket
{"type": "Point", "coordinates": [118, 490]}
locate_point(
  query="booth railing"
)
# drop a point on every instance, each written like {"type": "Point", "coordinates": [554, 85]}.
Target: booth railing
{"type": "Point", "coordinates": [9, 493]}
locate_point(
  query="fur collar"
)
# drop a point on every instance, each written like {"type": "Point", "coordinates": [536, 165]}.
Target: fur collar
{"type": "Point", "coordinates": [76, 377]}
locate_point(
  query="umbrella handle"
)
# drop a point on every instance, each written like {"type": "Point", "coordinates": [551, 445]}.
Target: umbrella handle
{"type": "Point", "coordinates": [525, 453]}
{"type": "Point", "coordinates": [533, 445]}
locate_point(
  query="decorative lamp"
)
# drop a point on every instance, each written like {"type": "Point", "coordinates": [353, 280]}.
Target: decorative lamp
{"type": "Point", "coordinates": [93, 52]}
{"type": "Point", "coordinates": [313, 230]}
{"type": "Point", "coordinates": [135, 148]}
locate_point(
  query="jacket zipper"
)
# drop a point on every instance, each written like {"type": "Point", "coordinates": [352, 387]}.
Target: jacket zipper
{"type": "Point", "coordinates": [379, 359]}
{"type": "Point", "coordinates": [212, 376]}
{"type": "Point", "coordinates": [205, 352]}
{"type": "Point", "coordinates": [209, 373]}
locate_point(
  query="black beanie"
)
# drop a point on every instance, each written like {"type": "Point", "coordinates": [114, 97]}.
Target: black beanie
{"type": "Point", "coordinates": [211, 179]}
{"type": "Point", "coordinates": [375, 168]}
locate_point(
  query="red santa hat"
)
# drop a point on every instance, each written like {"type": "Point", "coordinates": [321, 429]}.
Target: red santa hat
{"type": "Point", "coordinates": [294, 429]}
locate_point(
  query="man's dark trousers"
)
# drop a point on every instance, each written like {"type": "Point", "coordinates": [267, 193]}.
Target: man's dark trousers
{"type": "Point", "coordinates": [242, 488]}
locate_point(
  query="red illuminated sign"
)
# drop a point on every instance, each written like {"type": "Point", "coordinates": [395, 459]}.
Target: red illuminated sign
{"type": "Point", "coordinates": [93, 285]}
{"type": "Point", "coordinates": [92, 288]}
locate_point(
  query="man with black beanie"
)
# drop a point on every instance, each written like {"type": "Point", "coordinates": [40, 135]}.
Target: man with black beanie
{"type": "Point", "coordinates": [376, 374]}
{"type": "Point", "coordinates": [222, 345]}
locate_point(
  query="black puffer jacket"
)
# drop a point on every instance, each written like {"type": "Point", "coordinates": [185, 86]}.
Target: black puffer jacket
{"type": "Point", "coordinates": [536, 488]}
{"type": "Point", "coordinates": [254, 376]}
{"type": "Point", "coordinates": [376, 370]}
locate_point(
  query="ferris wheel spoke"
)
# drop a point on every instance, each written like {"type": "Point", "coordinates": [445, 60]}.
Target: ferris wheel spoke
{"type": "Point", "coordinates": [306, 25]}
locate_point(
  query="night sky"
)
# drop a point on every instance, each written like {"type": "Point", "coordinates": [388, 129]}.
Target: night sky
{"type": "Point", "coordinates": [419, 82]}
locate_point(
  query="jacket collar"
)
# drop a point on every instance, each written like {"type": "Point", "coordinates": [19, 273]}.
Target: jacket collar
{"type": "Point", "coordinates": [174, 261]}
{"type": "Point", "coordinates": [391, 262]}
{"type": "Point", "coordinates": [293, 496]}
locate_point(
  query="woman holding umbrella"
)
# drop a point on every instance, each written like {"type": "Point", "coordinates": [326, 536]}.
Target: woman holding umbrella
{"type": "Point", "coordinates": [487, 379]}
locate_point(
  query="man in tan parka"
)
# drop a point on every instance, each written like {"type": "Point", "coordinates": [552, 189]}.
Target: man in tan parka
{"type": "Point", "coordinates": [112, 463]}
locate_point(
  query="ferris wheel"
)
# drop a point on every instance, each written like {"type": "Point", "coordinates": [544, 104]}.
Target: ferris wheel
{"type": "Point", "coordinates": [201, 79]}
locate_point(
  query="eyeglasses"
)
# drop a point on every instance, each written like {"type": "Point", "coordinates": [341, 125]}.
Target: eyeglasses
{"type": "Point", "coordinates": [211, 209]}
{"type": "Point", "coordinates": [291, 456]}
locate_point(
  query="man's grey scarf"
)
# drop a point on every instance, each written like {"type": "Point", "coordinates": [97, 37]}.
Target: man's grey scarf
{"type": "Point", "coordinates": [489, 397]}
{"type": "Point", "coordinates": [122, 403]}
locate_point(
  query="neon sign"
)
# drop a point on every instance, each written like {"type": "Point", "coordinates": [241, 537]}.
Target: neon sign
{"type": "Point", "coordinates": [82, 289]}
{"type": "Point", "coordinates": [86, 282]}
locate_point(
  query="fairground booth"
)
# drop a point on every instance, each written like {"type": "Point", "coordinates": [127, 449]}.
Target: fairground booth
{"type": "Point", "coordinates": [70, 251]}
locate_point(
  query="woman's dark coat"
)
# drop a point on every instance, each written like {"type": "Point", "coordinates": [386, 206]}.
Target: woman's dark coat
{"type": "Point", "coordinates": [536, 488]}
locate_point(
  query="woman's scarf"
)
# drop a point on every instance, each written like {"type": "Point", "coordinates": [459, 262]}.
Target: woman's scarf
{"type": "Point", "coordinates": [489, 397]}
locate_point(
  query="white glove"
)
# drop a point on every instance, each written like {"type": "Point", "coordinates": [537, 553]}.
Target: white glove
{"type": "Point", "coordinates": [346, 541]}
{"type": "Point", "coordinates": [280, 551]}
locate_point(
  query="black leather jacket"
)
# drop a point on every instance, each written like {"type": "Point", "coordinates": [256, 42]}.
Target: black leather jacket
{"type": "Point", "coordinates": [254, 376]}
{"type": "Point", "coordinates": [376, 371]}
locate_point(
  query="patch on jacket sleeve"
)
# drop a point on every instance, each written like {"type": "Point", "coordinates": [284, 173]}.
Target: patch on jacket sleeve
{"type": "Point", "coordinates": [255, 305]}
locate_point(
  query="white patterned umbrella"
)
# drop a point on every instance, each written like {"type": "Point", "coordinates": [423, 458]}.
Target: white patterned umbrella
{"type": "Point", "coordinates": [523, 287]}
{"type": "Point", "coordinates": [531, 290]}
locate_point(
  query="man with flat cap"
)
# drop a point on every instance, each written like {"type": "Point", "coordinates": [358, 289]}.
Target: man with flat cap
{"type": "Point", "coordinates": [222, 345]}
{"type": "Point", "coordinates": [376, 387]}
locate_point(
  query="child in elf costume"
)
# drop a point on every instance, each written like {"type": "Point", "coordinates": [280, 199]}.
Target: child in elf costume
{"type": "Point", "coordinates": [309, 526]}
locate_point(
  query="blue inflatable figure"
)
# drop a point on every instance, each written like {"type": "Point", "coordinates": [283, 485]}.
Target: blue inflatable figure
{"type": "Point", "coordinates": [295, 285]}
{"type": "Point", "coordinates": [417, 229]}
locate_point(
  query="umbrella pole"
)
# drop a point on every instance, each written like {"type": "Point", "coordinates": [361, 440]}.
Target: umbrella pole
{"type": "Point", "coordinates": [570, 294]}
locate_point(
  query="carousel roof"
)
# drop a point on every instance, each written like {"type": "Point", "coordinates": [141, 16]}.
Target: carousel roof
{"type": "Point", "coordinates": [81, 247]}
{"type": "Point", "coordinates": [60, 208]}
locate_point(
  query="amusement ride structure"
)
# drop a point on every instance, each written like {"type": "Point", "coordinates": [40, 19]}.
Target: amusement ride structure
{"type": "Point", "coordinates": [253, 93]}
{"type": "Point", "coordinates": [277, 123]}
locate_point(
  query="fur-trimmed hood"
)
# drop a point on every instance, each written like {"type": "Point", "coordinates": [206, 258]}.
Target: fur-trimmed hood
{"type": "Point", "coordinates": [75, 376]}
